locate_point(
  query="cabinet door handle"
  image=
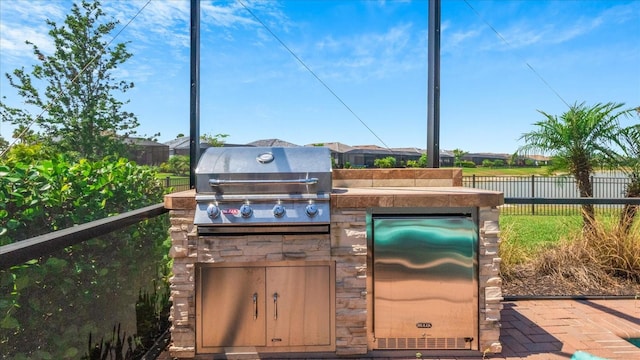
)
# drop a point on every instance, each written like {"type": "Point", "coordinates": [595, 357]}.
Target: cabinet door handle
{"type": "Point", "coordinates": [255, 306]}
{"type": "Point", "coordinates": [275, 306]}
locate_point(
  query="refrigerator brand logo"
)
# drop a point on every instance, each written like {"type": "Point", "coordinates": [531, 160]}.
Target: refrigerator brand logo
{"type": "Point", "coordinates": [423, 325]}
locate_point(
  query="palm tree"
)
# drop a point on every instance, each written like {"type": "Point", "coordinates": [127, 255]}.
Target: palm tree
{"type": "Point", "coordinates": [628, 161]}
{"type": "Point", "coordinates": [457, 157]}
{"type": "Point", "coordinates": [576, 139]}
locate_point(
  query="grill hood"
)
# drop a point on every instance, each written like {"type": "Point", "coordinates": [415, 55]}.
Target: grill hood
{"type": "Point", "coordinates": [264, 170]}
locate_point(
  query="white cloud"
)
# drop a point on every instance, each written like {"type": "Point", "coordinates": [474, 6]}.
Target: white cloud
{"type": "Point", "coordinates": [13, 40]}
{"type": "Point", "coordinates": [33, 11]}
{"type": "Point", "coordinates": [165, 21]}
{"type": "Point", "coordinates": [372, 55]}
{"type": "Point", "coordinates": [578, 29]}
{"type": "Point", "coordinates": [327, 44]}
{"type": "Point", "coordinates": [225, 16]}
{"type": "Point", "coordinates": [25, 20]}
{"type": "Point", "coordinates": [565, 25]}
{"type": "Point", "coordinates": [458, 38]}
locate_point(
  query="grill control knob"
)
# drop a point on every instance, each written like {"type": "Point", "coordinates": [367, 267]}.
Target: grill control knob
{"type": "Point", "coordinates": [246, 211]}
{"type": "Point", "coordinates": [278, 210]}
{"type": "Point", "coordinates": [213, 211]}
{"type": "Point", "coordinates": [311, 210]}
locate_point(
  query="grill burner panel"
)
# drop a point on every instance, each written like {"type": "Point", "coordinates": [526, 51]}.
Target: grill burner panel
{"type": "Point", "coordinates": [265, 212]}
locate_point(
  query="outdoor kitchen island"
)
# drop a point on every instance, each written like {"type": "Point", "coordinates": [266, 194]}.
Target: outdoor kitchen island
{"type": "Point", "coordinates": [334, 315]}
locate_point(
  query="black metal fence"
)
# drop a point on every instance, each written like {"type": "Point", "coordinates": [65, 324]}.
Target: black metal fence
{"type": "Point", "coordinates": [176, 184]}
{"type": "Point", "coordinates": [525, 194]}
{"type": "Point", "coordinates": [534, 195]}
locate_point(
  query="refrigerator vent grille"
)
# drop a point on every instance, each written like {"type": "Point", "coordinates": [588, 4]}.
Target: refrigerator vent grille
{"type": "Point", "coordinates": [422, 343]}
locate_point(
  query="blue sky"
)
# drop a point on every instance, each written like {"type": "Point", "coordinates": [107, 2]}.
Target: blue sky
{"type": "Point", "coordinates": [373, 56]}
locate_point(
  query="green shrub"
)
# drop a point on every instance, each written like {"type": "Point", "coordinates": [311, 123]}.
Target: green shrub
{"type": "Point", "coordinates": [420, 163]}
{"type": "Point", "coordinates": [52, 194]}
{"type": "Point", "coordinates": [177, 165]}
{"type": "Point", "coordinates": [46, 304]}
{"type": "Point", "coordinates": [499, 163]}
{"type": "Point", "coordinates": [387, 162]}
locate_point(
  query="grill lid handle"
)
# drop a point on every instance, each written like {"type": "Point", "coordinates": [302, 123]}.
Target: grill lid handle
{"type": "Point", "coordinates": [218, 182]}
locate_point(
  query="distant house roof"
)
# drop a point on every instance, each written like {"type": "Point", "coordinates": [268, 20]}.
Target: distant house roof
{"type": "Point", "coordinates": [184, 142]}
{"type": "Point", "coordinates": [337, 147]}
{"type": "Point", "coordinates": [409, 150]}
{"type": "Point", "coordinates": [141, 141]}
{"type": "Point", "coordinates": [334, 146]}
{"type": "Point", "coordinates": [446, 153]}
{"type": "Point", "coordinates": [272, 143]}
{"type": "Point", "coordinates": [375, 149]}
{"type": "Point", "coordinates": [370, 147]}
{"type": "Point", "coordinates": [538, 157]}
{"type": "Point", "coordinates": [178, 142]}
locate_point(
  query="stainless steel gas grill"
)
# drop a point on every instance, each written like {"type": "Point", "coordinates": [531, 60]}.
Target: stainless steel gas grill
{"type": "Point", "coordinates": [244, 190]}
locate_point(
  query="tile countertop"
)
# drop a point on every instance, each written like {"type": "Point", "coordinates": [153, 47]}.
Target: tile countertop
{"type": "Point", "coordinates": [456, 196]}
{"type": "Point", "coordinates": [365, 197]}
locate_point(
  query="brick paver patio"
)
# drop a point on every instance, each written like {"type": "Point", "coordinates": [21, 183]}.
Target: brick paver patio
{"type": "Point", "coordinates": [556, 329]}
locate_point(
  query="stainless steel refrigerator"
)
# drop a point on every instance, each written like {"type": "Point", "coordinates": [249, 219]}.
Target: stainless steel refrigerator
{"type": "Point", "coordinates": [425, 280]}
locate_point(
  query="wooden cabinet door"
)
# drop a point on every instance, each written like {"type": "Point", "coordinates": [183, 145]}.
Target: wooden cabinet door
{"type": "Point", "coordinates": [232, 306]}
{"type": "Point", "coordinates": [298, 305]}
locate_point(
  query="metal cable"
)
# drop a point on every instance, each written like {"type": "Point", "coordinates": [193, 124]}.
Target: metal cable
{"type": "Point", "coordinates": [314, 75]}
{"type": "Point", "coordinates": [521, 58]}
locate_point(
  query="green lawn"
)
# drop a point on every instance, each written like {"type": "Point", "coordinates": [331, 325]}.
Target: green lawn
{"type": "Point", "coordinates": [517, 171]}
{"type": "Point", "coordinates": [534, 232]}
{"type": "Point", "coordinates": [165, 175]}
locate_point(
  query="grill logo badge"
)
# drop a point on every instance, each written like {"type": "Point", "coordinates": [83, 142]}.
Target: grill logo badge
{"type": "Point", "coordinates": [423, 325]}
{"type": "Point", "coordinates": [265, 158]}
{"type": "Point", "coordinates": [231, 211]}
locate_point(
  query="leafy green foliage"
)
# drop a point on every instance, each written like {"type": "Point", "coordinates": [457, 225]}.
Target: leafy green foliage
{"type": "Point", "coordinates": [387, 162]}
{"type": "Point", "coordinates": [493, 164]}
{"type": "Point", "coordinates": [420, 163]}
{"type": "Point", "coordinates": [216, 140]}
{"type": "Point", "coordinates": [457, 157]}
{"type": "Point", "coordinates": [3, 143]}
{"type": "Point", "coordinates": [629, 163]}
{"type": "Point", "coordinates": [177, 165]}
{"type": "Point", "coordinates": [52, 194]}
{"type": "Point", "coordinates": [487, 163]}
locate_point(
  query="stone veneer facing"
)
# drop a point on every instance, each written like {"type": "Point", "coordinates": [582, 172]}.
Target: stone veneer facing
{"type": "Point", "coordinates": [490, 280]}
{"type": "Point", "coordinates": [346, 245]}
{"type": "Point", "coordinates": [349, 250]}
